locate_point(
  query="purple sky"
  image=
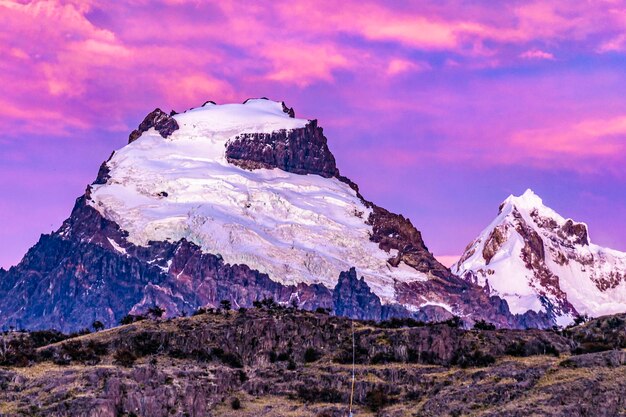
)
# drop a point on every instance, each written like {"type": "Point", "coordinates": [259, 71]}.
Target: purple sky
{"type": "Point", "coordinates": [438, 111]}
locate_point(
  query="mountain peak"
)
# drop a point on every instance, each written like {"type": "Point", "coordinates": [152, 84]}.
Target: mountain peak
{"type": "Point", "coordinates": [528, 200]}
{"type": "Point", "coordinates": [538, 260]}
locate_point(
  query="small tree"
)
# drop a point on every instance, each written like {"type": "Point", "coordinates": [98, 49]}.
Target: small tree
{"type": "Point", "coordinates": [578, 320]}
{"type": "Point", "coordinates": [98, 325]}
{"type": "Point", "coordinates": [226, 305]}
{"type": "Point", "coordinates": [484, 325]}
{"type": "Point", "coordinates": [156, 312]}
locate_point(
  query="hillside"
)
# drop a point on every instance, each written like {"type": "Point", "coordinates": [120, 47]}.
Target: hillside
{"type": "Point", "coordinates": [275, 361]}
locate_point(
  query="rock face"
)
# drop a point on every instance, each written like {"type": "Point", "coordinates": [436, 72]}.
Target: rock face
{"type": "Point", "coordinates": [279, 361]}
{"type": "Point", "coordinates": [353, 298]}
{"type": "Point", "coordinates": [537, 260]}
{"type": "Point", "coordinates": [301, 151]}
{"type": "Point", "coordinates": [157, 119]}
{"type": "Point", "coordinates": [173, 221]}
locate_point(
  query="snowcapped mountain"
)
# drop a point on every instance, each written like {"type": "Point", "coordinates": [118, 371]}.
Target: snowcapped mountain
{"type": "Point", "coordinates": [238, 202]}
{"type": "Point", "coordinates": [537, 260]}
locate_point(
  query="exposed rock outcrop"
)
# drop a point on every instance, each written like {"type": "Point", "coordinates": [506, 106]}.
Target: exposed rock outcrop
{"type": "Point", "coordinates": [301, 151]}
{"type": "Point", "coordinates": [353, 298]}
{"type": "Point", "coordinates": [163, 123]}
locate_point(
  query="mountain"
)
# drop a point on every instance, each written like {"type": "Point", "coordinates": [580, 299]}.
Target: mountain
{"type": "Point", "coordinates": [235, 202]}
{"type": "Point", "coordinates": [537, 260]}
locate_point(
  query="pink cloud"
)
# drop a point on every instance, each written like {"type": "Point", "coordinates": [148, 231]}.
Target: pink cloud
{"type": "Point", "coordinates": [400, 66]}
{"type": "Point", "coordinates": [536, 54]}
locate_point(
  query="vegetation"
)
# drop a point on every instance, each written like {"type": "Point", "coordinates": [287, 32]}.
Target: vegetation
{"type": "Point", "coordinates": [484, 325]}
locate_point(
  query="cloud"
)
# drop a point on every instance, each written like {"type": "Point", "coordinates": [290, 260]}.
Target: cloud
{"type": "Point", "coordinates": [536, 54]}
{"type": "Point", "coordinates": [399, 66]}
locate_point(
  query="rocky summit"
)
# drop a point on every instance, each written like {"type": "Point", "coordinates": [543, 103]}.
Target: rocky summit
{"type": "Point", "coordinates": [279, 361]}
{"type": "Point", "coordinates": [538, 260]}
{"type": "Point", "coordinates": [237, 203]}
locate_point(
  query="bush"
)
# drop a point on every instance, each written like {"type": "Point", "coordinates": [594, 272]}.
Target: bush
{"type": "Point", "coordinates": [46, 337]}
{"type": "Point", "coordinates": [143, 344]}
{"type": "Point", "coordinates": [517, 349]}
{"type": "Point", "coordinates": [454, 322]}
{"type": "Point", "coordinates": [484, 325]}
{"type": "Point", "coordinates": [235, 404]}
{"type": "Point", "coordinates": [475, 358]}
{"type": "Point", "coordinates": [313, 394]}
{"type": "Point", "coordinates": [376, 399]}
{"type": "Point", "coordinates": [225, 305]}
{"type": "Point", "coordinates": [231, 360]}
{"type": "Point", "coordinates": [396, 323]}
{"type": "Point", "coordinates": [311, 355]}
{"type": "Point", "coordinates": [130, 318]}
{"type": "Point", "coordinates": [322, 310]}
{"type": "Point", "coordinates": [156, 312]}
{"type": "Point", "coordinates": [124, 357]}
{"type": "Point", "coordinates": [199, 311]}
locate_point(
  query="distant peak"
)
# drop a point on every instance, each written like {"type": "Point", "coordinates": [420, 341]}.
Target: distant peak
{"type": "Point", "coordinates": [528, 200]}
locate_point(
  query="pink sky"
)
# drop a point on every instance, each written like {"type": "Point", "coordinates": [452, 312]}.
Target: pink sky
{"type": "Point", "coordinates": [438, 109]}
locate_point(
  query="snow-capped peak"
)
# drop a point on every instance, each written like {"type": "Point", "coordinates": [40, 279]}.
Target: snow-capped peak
{"type": "Point", "coordinates": [294, 227]}
{"type": "Point", "coordinates": [253, 116]}
{"type": "Point", "coordinates": [528, 200]}
{"type": "Point", "coordinates": [536, 259]}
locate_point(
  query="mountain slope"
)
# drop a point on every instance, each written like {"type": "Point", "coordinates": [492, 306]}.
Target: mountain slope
{"type": "Point", "coordinates": [286, 362]}
{"type": "Point", "coordinates": [239, 202]}
{"type": "Point", "coordinates": [537, 260]}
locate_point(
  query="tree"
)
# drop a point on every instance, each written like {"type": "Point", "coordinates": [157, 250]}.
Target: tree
{"type": "Point", "coordinates": [484, 325]}
{"type": "Point", "coordinates": [156, 312]}
{"type": "Point", "coordinates": [98, 325]}
{"type": "Point", "coordinates": [226, 305]}
{"type": "Point", "coordinates": [578, 320]}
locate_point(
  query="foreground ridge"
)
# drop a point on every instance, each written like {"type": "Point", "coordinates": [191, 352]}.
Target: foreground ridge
{"type": "Point", "coordinates": [275, 361]}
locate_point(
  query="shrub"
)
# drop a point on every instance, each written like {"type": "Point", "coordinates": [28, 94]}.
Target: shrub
{"type": "Point", "coordinates": [231, 360]}
{"type": "Point", "coordinates": [396, 323]}
{"type": "Point", "coordinates": [475, 358]}
{"type": "Point", "coordinates": [376, 399]}
{"type": "Point", "coordinates": [454, 322]}
{"type": "Point", "coordinates": [98, 325]}
{"type": "Point", "coordinates": [313, 394]}
{"type": "Point", "coordinates": [199, 311]}
{"type": "Point", "coordinates": [581, 319]}
{"type": "Point", "coordinates": [156, 312]}
{"type": "Point", "coordinates": [226, 305]}
{"type": "Point", "coordinates": [144, 344]}
{"type": "Point", "coordinates": [124, 357]}
{"type": "Point", "coordinates": [311, 355]}
{"type": "Point", "coordinates": [517, 348]}
{"type": "Point", "coordinates": [130, 318]}
{"type": "Point", "coordinates": [235, 404]}
{"type": "Point", "coordinates": [46, 337]}
{"type": "Point", "coordinates": [484, 325]}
